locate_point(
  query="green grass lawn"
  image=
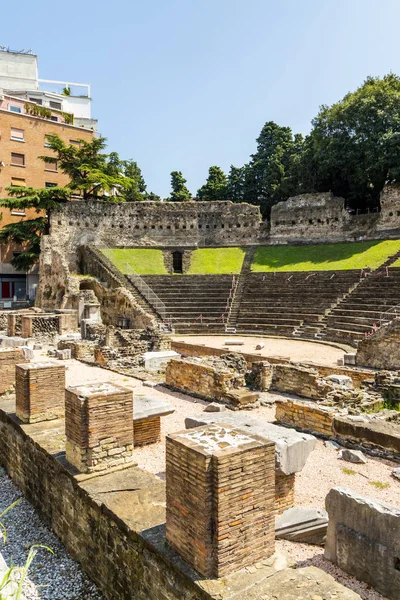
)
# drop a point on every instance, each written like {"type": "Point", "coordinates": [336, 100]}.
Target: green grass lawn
{"type": "Point", "coordinates": [216, 261]}
{"type": "Point", "coordinates": [325, 257]}
{"type": "Point", "coordinates": [396, 263]}
{"type": "Point", "coordinates": [145, 261]}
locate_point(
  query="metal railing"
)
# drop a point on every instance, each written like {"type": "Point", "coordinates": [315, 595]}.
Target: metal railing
{"type": "Point", "coordinates": [146, 291]}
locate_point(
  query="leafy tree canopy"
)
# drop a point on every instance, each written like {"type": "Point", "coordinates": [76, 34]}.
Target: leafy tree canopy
{"type": "Point", "coordinates": [215, 187]}
{"type": "Point", "coordinates": [354, 145]}
{"type": "Point", "coordinates": [180, 192]}
{"type": "Point", "coordinates": [93, 175]}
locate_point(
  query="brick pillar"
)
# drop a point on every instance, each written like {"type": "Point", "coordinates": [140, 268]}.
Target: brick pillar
{"type": "Point", "coordinates": [284, 491]}
{"type": "Point", "coordinates": [40, 391]}
{"type": "Point", "coordinates": [220, 498]}
{"type": "Point", "coordinates": [9, 358]}
{"type": "Point", "coordinates": [11, 322]}
{"type": "Point", "coordinates": [26, 327]}
{"type": "Point", "coordinates": [146, 431]}
{"type": "Point", "coordinates": [98, 426]}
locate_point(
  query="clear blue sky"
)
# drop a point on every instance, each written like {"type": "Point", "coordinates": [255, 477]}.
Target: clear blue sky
{"type": "Point", "coordinates": [185, 84]}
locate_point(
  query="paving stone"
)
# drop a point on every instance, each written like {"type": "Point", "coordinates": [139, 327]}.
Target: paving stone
{"type": "Point", "coordinates": [302, 524]}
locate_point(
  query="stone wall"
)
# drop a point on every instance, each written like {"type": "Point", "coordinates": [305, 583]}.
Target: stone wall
{"type": "Point", "coordinates": [307, 416]}
{"type": "Point", "coordinates": [301, 381]}
{"type": "Point", "coordinates": [154, 224]}
{"type": "Point", "coordinates": [381, 350]}
{"type": "Point", "coordinates": [9, 358]}
{"type": "Point", "coordinates": [363, 539]}
{"type": "Point", "coordinates": [322, 218]}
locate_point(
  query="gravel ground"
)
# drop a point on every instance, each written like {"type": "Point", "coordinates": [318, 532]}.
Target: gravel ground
{"type": "Point", "coordinates": [52, 576]}
{"type": "Point", "coordinates": [322, 472]}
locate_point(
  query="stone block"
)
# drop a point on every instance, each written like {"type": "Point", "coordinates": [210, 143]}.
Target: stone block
{"type": "Point", "coordinates": [353, 456]}
{"type": "Point", "coordinates": [291, 447]}
{"type": "Point", "coordinates": [363, 539]}
{"type": "Point", "coordinates": [11, 342]}
{"type": "Point", "coordinates": [233, 342]}
{"type": "Point", "coordinates": [340, 380]}
{"type": "Point", "coordinates": [154, 361]}
{"type": "Point", "coordinates": [63, 354]}
{"type": "Point", "coordinates": [39, 391]}
{"type": "Point", "coordinates": [220, 498]}
{"type": "Point", "coordinates": [349, 358]}
{"type": "Point", "coordinates": [28, 352]}
{"type": "Point", "coordinates": [302, 524]}
{"type": "Point", "coordinates": [215, 407]}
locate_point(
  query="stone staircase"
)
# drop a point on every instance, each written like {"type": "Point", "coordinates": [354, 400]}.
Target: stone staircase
{"type": "Point", "coordinates": [95, 263]}
{"type": "Point", "coordinates": [194, 303]}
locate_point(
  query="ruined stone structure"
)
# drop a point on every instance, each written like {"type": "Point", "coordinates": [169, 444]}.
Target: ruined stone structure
{"type": "Point", "coordinates": [363, 539]}
{"type": "Point", "coordinates": [9, 358]}
{"type": "Point", "coordinates": [381, 350]}
{"type": "Point", "coordinates": [323, 218]}
{"type": "Point", "coordinates": [39, 391]}
{"type": "Point", "coordinates": [98, 426]}
{"type": "Point", "coordinates": [212, 379]}
{"type": "Point", "coordinates": [220, 498]}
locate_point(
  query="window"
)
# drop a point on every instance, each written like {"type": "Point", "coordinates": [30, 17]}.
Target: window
{"type": "Point", "coordinates": [53, 118]}
{"type": "Point", "coordinates": [18, 181]}
{"type": "Point", "coordinates": [15, 109]}
{"type": "Point", "coordinates": [17, 135]}
{"type": "Point", "coordinates": [18, 212]}
{"type": "Point", "coordinates": [46, 142]}
{"type": "Point", "coordinates": [17, 160]}
{"type": "Point", "coordinates": [56, 105]}
{"type": "Point", "coordinates": [50, 166]}
{"type": "Point", "coordinates": [74, 143]}
{"type": "Point", "coordinates": [49, 185]}
{"type": "Point", "coordinates": [36, 101]}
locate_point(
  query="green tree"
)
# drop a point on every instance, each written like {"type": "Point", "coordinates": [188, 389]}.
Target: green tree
{"type": "Point", "coordinates": [235, 184]}
{"type": "Point", "coordinates": [216, 186]}
{"type": "Point", "coordinates": [89, 172]}
{"type": "Point", "coordinates": [180, 192]}
{"type": "Point", "coordinates": [354, 145]}
{"type": "Point", "coordinates": [268, 178]}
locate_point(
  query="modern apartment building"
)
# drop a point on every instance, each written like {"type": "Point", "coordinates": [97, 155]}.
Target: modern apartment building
{"type": "Point", "coordinates": [27, 115]}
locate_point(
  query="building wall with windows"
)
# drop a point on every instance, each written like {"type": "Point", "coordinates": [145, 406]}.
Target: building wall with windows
{"type": "Point", "coordinates": [22, 141]}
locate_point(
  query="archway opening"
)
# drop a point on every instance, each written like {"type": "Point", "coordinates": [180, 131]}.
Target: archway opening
{"type": "Point", "coordinates": [177, 262]}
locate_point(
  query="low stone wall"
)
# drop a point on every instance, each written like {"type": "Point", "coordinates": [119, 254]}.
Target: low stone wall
{"type": "Point", "coordinates": [301, 381]}
{"type": "Point", "coordinates": [376, 435]}
{"type": "Point", "coordinates": [381, 350]}
{"type": "Point", "coordinates": [306, 415]}
{"type": "Point", "coordinates": [202, 380]}
{"type": "Point", "coordinates": [127, 559]}
{"type": "Point", "coordinates": [363, 539]}
{"type": "Point", "coordinates": [81, 350]}
{"type": "Point", "coordinates": [187, 349]}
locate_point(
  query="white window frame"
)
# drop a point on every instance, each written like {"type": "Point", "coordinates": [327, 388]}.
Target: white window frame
{"type": "Point", "coordinates": [15, 138]}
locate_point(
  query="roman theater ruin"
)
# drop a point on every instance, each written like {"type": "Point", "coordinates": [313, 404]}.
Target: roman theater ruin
{"type": "Point", "coordinates": [206, 406]}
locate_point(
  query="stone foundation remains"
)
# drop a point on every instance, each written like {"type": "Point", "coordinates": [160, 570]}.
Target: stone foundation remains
{"type": "Point", "coordinates": [220, 498]}
{"type": "Point", "coordinates": [98, 426]}
{"type": "Point", "coordinates": [363, 539]}
{"type": "Point", "coordinates": [9, 358]}
{"type": "Point", "coordinates": [40, 391]}
{"type": "Point", "coordinates": [221, 379]}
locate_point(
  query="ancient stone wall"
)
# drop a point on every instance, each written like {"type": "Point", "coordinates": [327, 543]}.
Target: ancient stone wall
{"type": "Point", "coordinates": [302, 381]}
{"type": "Point", "coordinates": [308, 416]}
{"type": "Point", "coordinates": [154, 224]}
{"type": "Point", "coordinates": [202, 380]}
{"type": "Point", "coordinates": [381, 350]}
{"type": "Point", "coordinates": [322, 218]}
